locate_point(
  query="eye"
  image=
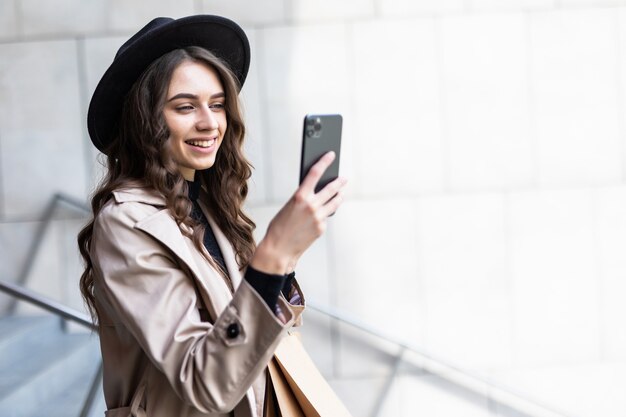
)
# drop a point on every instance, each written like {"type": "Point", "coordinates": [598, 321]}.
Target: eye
{"type": "Point", "coordinates": [185, 107]}
{"type": "Point", "coordinates": [217, 106]}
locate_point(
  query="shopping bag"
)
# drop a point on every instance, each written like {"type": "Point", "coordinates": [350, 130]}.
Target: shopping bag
{"type": "Point", "coordinates": [299, 388]}
{"type": "Point", "coordinates": [280, 400]}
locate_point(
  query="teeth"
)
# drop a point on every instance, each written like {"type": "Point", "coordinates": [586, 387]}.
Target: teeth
{"type": "Point", "coordinates": [201, 143]}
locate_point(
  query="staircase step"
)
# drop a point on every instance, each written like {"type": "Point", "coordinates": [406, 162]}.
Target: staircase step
{"type": "Point", "coordinates": [33, 358]}
{"type": "Point", "coordinates": [70, 401]}
{"type": "Point", "coordinates": [43, 364]}
{"type": "Point", "coordinates": [10, 324]}
{"type": "Point", "coordinates": [19, 331]}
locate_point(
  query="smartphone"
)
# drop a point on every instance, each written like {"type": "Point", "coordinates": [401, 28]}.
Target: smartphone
{"type": "Point", "coordinates": [321, 133]}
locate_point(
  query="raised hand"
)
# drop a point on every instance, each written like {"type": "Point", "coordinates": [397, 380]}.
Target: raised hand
{"type": "Point", "coordinates": [300, 221]}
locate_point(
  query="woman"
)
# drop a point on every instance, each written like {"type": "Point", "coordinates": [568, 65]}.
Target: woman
{"type": "Point", "coordinates": [189, 309]}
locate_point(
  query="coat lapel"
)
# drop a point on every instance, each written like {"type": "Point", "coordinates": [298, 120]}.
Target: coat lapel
{"type": "Point", "coordinates": [213, 290]}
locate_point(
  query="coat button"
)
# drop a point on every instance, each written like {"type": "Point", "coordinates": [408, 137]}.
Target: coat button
{"type": "Point", "coordinates": [232, 330]}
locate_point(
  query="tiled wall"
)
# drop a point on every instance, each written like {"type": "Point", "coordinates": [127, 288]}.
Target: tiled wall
{"type": "Point", "coordinates": [485, 146]}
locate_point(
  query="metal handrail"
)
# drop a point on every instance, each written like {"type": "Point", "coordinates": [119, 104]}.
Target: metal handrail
{"type": "Point", "coordinates": [444, 369]}
{"type": "Point", "coordinates": [55, 201]}
{"type": "Point", "coordinates": [484, 387]}
{"type": "Point", "coordinates": [47, 304]}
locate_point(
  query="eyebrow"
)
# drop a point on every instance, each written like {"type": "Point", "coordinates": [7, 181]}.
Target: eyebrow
{"type": "Point", "coordinates": [195, 97]}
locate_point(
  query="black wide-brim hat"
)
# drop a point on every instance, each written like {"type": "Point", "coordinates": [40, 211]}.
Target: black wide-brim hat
{"type": "Point", "coordinates": [217, 34]}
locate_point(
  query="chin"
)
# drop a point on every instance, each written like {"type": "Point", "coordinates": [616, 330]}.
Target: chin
{"type": "Point", "coordinates": [205, 166]}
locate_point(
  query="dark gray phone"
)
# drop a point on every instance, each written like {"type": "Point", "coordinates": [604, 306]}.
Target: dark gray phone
{"type": "Point", "coordinates": [321, 134]}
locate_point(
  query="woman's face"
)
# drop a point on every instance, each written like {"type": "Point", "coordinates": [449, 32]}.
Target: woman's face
{"type": "Point", "coordinates": [195, 116]}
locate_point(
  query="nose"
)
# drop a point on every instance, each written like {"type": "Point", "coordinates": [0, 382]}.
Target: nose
{"type": "Point", "coordinates": [206, 119]}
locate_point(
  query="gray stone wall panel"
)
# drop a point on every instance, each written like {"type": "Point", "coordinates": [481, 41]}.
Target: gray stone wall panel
{"type": "Point", "coordinates": [62, 17]}
{"type": "Point", "coordinates": [40, 125]}
{"type": "Point", "coordinates": [8, 19]}
{"type": "Point", "coordinates": [131, 15]}
{"type": "Point", "coordinates": [256, 145]}
{"type": "Point", "coordinates": [248, 12]}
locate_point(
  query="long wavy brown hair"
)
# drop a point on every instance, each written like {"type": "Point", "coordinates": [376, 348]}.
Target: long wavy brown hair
{"type": "Point", "coordinates": [137, 157]}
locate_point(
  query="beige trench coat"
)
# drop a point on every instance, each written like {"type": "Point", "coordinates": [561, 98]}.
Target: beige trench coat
{"type": "Point", "coordinates": [151, 285]}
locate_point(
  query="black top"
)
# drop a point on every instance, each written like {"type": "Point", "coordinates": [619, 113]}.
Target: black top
{"type": "Point", "coordinates": [268, 286]}
{"type": "Point", "coordinates": [210, 242]}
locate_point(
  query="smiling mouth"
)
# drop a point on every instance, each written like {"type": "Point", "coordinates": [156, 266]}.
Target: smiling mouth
{"type": "Point", "coordinates": [201, 143]}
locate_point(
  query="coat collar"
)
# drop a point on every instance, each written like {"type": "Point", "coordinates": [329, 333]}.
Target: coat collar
{"type": "Point", "coordinates": [162, 227]}
{"type": "Point", "coordinates": [139, 195]}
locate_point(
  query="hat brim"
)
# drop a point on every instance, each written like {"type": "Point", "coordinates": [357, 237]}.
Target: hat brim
{"type": "Point", "coordinates": [219, 35]}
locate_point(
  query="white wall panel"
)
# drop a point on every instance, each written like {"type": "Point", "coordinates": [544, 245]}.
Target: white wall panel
{"type": "Point", "coordinates": [304, 70]}
{"type": "Point", "coordinates": [375, 282]}
{"type": "Point", "coordinates": [464, 267]}
{"type": "Point", "coordinates": [305, 10]}
{"type": "Point", "coordinates": [574, 75]}
{"type": "Point", "coordinates": [470, 327]}
{"type": "Point", "coordinates": [375, 266]}
{"type": "Point", "coordinates": [511, 5]}
{"type": "Point", "coordinates": [262, 215]}
{"type": "Point", "coordinates": [611, 223]}
{"type": "Point", "coordinates": [397, 108]}
{"type": "Point", "coordinates": [485, 79]}
{"type": "Point", "coordinates": [256, 144]}
{"type": "Point", "coordinates": [462, 242]}
{"type": "Point", "coordinates": [555, 283]}
{"type": "Point", "coordinates": [413, 7]}
{"type": "Point", "coordinates": [621, 79]}
{"type": "Point", "coordinates": [591, 3]}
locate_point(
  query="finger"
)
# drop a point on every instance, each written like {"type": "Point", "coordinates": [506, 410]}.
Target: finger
{"type": "Point", "coordinates": [316, 171]}
{"type": "Point", "coordinates": [332, 205]}
{"type": "Point", "coordinates": [330, 190]}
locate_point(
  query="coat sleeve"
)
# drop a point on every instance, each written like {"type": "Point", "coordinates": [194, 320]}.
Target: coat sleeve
{"type": "Point", "coordinates": [209, 365]}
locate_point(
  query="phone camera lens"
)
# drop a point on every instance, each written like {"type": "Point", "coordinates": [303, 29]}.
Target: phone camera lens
{"type": "Point", "coordinates": [317, 125]}
{"type": "Point", "coordinates": [310, 132]}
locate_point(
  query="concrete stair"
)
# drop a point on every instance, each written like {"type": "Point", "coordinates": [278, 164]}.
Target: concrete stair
{"type": "Point", "coordinates": [45, 371]}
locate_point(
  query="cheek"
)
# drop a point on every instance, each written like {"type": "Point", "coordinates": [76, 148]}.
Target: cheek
{"type": "Point", "coordinates": [167, 117]}
{"type": "Point", "coordinates": [175, 128]}
{"type": "Point", "coordinates": [175, 124]}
